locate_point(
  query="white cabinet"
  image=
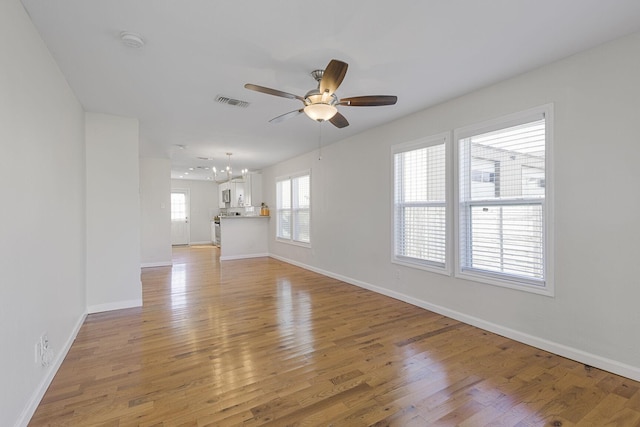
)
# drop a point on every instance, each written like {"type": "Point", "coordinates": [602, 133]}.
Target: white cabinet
{"type": "Point", "coordinates": [237, 194]}
{"type": "Point", "coordinates": [253, 189]}
{"type": "Point", "coordinates": [242, 192]}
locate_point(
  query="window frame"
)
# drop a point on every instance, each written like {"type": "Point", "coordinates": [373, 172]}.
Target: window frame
{"type": "Point", "coordinates": [293, 210]}
{"type": "Point", "coordinates": [545, 286]}
{"type": "Point", "coordinates": [429, 141]}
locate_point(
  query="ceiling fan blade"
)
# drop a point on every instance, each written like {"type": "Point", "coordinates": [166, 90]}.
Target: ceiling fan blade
{"type": "Point", "coordinates": [270, 91]}
{"type": "Point", "coordinates": [339, 121]}
{"type": "Point", "coordinates": [333, 76]}
{"type": "Point", "coordinates": [286, 116]}
{"type": "Point", "coordinates": [369, 101]}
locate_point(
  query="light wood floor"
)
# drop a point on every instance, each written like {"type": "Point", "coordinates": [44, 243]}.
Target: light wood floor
{"type": "Point", "coordinates": [262, 343]}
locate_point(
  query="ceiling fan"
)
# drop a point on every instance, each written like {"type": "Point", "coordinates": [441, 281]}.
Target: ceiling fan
{"type": "Point", "coordinates": [321, 104]}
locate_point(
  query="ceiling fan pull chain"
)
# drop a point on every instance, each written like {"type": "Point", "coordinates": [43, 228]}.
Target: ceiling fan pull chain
{"type": "Point", "coordinates": [319, 140]}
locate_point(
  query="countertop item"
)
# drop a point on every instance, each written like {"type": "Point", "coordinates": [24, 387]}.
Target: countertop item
{"type": "Point", "coordinates": [244, 217]}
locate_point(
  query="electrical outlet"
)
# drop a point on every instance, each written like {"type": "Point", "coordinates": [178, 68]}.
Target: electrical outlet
{"type": "Point", "coordinates": [44, 341]}
{"type": "Point", "coordinates": [43, 354]}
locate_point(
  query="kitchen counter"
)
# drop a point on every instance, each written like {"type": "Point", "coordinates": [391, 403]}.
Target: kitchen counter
{"type": "Point", "coordinates": [243, 237]}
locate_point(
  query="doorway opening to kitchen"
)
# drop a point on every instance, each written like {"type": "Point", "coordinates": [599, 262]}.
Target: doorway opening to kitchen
{"type": "Point", "coordinates": [179, 217]}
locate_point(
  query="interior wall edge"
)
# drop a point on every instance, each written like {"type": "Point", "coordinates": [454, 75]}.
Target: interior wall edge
{"type": "Point", "coordinates": [581, 356]}
{"type": "Point", "coordinates": [39, 392]}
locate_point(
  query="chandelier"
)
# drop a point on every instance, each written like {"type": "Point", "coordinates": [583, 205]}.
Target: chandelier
{"type": "Point", "coordinates": [227, 173]}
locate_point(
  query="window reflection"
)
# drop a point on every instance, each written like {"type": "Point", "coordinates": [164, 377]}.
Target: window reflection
{"type": "Point", "coordinates": [178, 285]}
{"type": "Point", "coordinates": [294, 315]}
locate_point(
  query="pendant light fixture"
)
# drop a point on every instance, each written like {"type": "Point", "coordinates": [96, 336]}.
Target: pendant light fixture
{"type": "Point", "coordinates": [227, 171]}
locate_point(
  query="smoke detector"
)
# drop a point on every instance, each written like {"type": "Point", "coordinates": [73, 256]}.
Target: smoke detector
{"type": "Point", "coordinates": [132, 40]}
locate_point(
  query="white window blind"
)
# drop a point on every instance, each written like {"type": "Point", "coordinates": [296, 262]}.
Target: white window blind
{"type": "Point", "coordinates": [502, 189]}
{"type": "Point", "coordinates": [283, 209]}
{"type": "Point", "coordinates": [293, 211]}
{"type": "Point", "coordinates": [420, 206]}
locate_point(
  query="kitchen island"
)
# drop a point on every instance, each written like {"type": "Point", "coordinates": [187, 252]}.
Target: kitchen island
{"type": "Point", "coordinates": [243, 237]}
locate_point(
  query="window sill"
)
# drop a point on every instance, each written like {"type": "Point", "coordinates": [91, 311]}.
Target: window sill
{"type": "Point", "coordinates": [293, 242]}
{"type": "Point", "coordinates": [543, 289]}
{"type": "Point", "coordinates": [421, 266]}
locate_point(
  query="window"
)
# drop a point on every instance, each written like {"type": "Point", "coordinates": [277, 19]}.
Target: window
{"type": "Point", "coordinates": [503, 211]}
{"type": "Point", "coordinates": [420, 203]}
{"type": "Point", "coordinates": [293, 212]}
{"type": "Point", "coordinates": [178, 206]}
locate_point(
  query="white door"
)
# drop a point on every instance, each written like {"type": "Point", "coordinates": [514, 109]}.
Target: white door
{"type": "Point", "coordinates": [180, 217]}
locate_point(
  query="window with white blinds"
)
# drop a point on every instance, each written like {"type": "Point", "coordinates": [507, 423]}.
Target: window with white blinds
{"type": "Point", "coordinates": [293, 208]}
{"type": "Point", "coordinates": [420, 203]}
{"type": "Point", "coordinates": [502, 211]}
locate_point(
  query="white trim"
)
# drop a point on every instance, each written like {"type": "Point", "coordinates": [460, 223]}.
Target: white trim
{"type": "Point", "coordinates": [580, 356]}
{"type": "Point", "coordinates": [232, 257]}
{"type": "Point", "coordinates": [293, 242]}
{"type": "Point", "coordinates": [445, 138]}
{"type": "Point", "coordinates": [119, 305]}
{"type": "Point", "coordinates": [290, 178]}
{"type": "Point", "coordinates": [39, 392]}
{"type": "Point", "coordinates": [205, 242]}
{"type": "Point", "coordinates": [156, 264]}
{"type": "Point", "coordinates": [543, 111]}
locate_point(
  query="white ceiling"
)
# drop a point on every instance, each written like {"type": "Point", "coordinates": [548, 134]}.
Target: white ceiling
{"type": "Point", "coordinates": [423, 51]}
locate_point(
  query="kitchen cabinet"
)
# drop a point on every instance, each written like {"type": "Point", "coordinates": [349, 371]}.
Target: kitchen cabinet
{"type": "Point", "coordinates": [237, 193]}
{"type": "Point", "coordinates": [253, 189]}
{"type": "Point", "coordinates": [245, 191]}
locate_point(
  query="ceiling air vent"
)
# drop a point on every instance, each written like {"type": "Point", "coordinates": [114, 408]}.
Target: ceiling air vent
{"type": "Point", "coordinates": [230, 101]}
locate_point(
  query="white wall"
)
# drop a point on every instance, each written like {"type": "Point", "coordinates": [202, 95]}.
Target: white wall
{"type": "Point", "coordinates": [203, 204]}
{"type": "Point", "coordinates": [42, 220]}
{"type": "Point", "coordinates": [155, 212]}
{"type": "Point", "coordinates": [594, 316]}
{"type": "Point", "coordinates": [112, 209]}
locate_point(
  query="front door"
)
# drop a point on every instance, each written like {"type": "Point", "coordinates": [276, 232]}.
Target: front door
{"type": "Point", "coordinates": [179, 217]}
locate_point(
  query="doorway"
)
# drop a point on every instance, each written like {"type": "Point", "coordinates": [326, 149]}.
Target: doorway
{"type": "Point", "coordinates": [179, 217]}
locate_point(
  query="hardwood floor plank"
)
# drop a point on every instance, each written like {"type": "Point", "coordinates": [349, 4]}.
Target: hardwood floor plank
{"type": "Point", "coordinates": [258, 342]}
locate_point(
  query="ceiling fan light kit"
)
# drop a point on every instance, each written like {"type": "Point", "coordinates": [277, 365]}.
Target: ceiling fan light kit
{"type": "Point", "coordinates": [320, 112]}
{"type": "Point", "coordinates": [321, 104]}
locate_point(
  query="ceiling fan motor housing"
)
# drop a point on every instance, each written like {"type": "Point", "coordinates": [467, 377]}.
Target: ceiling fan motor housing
{"type": "Point", "coordinates": [314, 96]}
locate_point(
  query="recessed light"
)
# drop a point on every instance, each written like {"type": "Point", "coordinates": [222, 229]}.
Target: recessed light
{"type": "Point", "coordinates": [190, 169]}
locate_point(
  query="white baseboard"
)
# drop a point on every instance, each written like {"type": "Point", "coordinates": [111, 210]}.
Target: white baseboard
{"type": "Point", "coordinates": [38, 394]}
{"type": "Point", "coordinates": [232, 257]}
{"type": "Point", "coordinates": [610, 365]}
{"type": "Point", "coordinates": [99, 308]}
{"type": "Point", "coordinates": [206, 242]}
{"type": "Point", "coordinates": [156, 264]}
